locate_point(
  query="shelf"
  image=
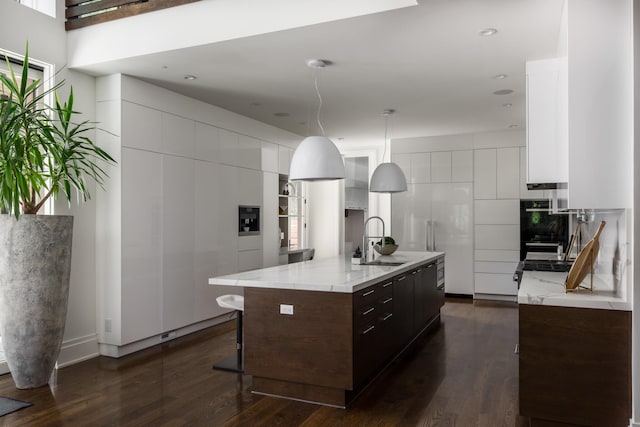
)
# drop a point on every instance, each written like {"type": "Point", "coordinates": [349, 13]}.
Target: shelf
{"type": "Point", "coordinates": [288, 196]}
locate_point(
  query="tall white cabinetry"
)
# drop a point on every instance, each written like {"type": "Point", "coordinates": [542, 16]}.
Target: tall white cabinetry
{"type": "Point", "coordinates": [497, 221]}
{"type": "Point", "coordinates": [169, 219]}
{"type": "Point", "coordinates": [435, 201]}
{"type": "Point", "coordinates": [580, 107]}
{"type": "Point", "coordinates": [547, 127]}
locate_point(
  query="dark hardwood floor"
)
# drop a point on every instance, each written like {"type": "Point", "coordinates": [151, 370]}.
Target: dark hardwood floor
{"type": "Point", "coordinates": [463, 374]}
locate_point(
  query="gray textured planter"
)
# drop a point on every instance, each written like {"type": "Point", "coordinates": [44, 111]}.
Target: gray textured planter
{"type": "Point", "coordinates": [35, 262]}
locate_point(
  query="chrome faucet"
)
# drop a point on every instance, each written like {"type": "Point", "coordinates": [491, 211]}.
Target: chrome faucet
{"type": "Point", "coordinates": [366, 237]}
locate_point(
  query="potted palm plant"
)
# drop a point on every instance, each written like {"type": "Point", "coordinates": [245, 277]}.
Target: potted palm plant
{"type": "Point", "coordinates": [43, 154]}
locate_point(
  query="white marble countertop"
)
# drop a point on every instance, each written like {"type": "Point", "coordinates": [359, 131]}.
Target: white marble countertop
{"type": "Point", "coordinates": [547, 288]}
{"type": "Point", "coordinates": [336, 274]}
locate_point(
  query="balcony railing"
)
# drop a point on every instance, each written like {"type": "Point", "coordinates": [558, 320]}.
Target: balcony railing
{"type": "Point", "coordinates": [82, 13]}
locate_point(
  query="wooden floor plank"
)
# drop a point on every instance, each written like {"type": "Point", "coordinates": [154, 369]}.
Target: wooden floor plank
{"type": "Point", "coordinates": [463, 374]}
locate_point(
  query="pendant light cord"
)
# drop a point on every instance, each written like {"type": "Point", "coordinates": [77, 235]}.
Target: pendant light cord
{"type": "Point", "coordinates": [386, 126]}
{"type": "Point", "coordinates": [315, 78]}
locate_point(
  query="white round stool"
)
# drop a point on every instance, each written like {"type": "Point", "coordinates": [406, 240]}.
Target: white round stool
{"type": "Point", "coordinates": [234, 363]}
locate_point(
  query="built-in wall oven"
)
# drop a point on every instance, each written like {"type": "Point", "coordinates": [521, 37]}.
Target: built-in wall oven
{"type": "Point", "coordinates": [540, 230]}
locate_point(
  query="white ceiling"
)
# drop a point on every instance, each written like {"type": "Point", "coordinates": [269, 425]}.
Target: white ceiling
{"type": "Point", "coordinates": [427, 62]}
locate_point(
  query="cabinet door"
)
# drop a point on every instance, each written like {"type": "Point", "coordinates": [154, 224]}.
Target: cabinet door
{"type": "Point", "coordinates": [484, 174]}
{"type": "Point", "coordinates": [142, 265]}
{"type": "Point", "coordinates": [547, 119]}
{"type": "Point", "coordinates": [420, 299]}
{"type": "Point", "coordinates": [403, 309]}
{"type": "Point", "coordinates": [508, 173]}
{"type": "Point", "coordinates": [434, 297]}
{"type": "Point", "coordinates": [178, 242]}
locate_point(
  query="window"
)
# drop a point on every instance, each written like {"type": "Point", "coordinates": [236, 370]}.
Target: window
{"type": "Point", "coordinates": [48, 7]}
{"type": "Point", "coordinates": [37, 71]}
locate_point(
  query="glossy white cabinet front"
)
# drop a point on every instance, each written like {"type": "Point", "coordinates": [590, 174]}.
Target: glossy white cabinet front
{"type": "Point", "coordinates": [141, 293]}
{"type": "Point", "coordinates": [449, 207]}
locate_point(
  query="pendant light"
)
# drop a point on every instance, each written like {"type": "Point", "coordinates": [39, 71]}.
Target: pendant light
{"type": "Point", "coordinates": [388, 177]}
{"type": "Point", "coordinates": [316, 158]}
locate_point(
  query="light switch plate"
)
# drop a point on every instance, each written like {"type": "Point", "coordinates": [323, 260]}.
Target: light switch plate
{"type": "Point", "coordinates": [286, 309]}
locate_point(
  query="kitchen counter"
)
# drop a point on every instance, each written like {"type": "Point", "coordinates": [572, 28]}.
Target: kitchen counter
{"type": "Point", "coordinates": [335, 274]}
{"type": "Point", "coordinates": [547, 288]}
{"type": "Point", "coordinates": [320, 331]}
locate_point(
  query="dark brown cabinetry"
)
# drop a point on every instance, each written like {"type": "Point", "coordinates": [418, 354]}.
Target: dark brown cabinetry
{"type": "Point", "coordinates": [334, 343]}
{"type": "Point", "coordinates": [575, 365]}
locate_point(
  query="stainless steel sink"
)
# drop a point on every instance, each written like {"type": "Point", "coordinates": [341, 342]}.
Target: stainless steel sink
{"type": "Point", "coordinates": [387, 263]}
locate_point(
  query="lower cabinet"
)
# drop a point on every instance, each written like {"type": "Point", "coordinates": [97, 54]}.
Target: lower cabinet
{"type": "Point", "coordinates": [333, 344]}
{"type": "Point", "coordinates": [575, 365]}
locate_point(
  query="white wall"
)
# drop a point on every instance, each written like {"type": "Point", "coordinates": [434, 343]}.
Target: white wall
{"type": "Point", "coordinates": [47, 43]}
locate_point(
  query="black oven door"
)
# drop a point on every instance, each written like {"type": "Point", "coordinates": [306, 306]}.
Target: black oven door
{"type": "Point", "coordinates": [540, 230]}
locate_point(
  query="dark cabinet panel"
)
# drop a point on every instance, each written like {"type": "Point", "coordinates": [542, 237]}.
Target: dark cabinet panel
{"type": "Point", "coordinates": [403, 295]}
{"type": "Point", "coordinates": [575, 365]}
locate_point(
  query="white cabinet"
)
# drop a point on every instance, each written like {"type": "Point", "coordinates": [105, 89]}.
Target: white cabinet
{"type": "Point", "coordinates": [270, 234]}
{"type": "Point", "coordinates": [178, 241]}
{"type": "Point", "coordinates": [508, 173]}
{"type": "Point", "coordinates": [485, 174]}
{"type": "Point", "coordinates": [141, 287]}
{"type": "Point", "coordinates": [269, 157]}
{"type": "Point", "coordinates": [497, 212]}
{"type": "Point", "coordinates": [580, 108]}
{"type": "Point", "coordinates": [547, 121]}
{"type": "Point", "coordinates": [207, 142]}
{"type": "Point", "coordinates": [420, 168]}
{"type": "Point", "coordinates": [449, 207]}
{"type": "Point", "coordinates": [441, 166]}
{"type": "Point", "coordinates": [284, 159]}
{"type": "Point", "coordinates": [462, 166]}
{"type": "Point", "coordinates": [601, 91]}
{"type": "Point", "coordinates": [178, 136]}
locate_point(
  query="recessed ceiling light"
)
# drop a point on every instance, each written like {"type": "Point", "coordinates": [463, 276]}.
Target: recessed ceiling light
{"type": "Point", "coordinates": [500, 76]}
{"type": "Point", "coordinates": [340, 139]}
{"type": "Point", "coordinates": [513, 126]}
{"type": "Point", "coordinates": [507, 105]}
{"type": "Point", "coordinates": [190, 77]}
{"type": "Point", "coordinates": [503, 92]}
{"type": "Point", "coordinates": [485, 32]}
{"type": "Point", "coordinates": [281, 114]}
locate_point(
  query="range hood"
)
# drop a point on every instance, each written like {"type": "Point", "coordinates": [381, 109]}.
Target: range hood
{"type": "Point", "coordinates": [547, 186]}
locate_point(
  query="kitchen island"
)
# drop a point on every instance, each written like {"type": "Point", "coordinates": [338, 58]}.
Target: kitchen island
{"type": "Point", "coordinates": [321, 330]}
{"type": "Point", "coordinates": [574, 351]}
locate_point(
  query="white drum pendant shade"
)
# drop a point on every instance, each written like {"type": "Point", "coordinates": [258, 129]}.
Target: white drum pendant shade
{"type": "Point", "coordinates": [316, 159]}
{"type": "Point", "coordinates": [388, 178]}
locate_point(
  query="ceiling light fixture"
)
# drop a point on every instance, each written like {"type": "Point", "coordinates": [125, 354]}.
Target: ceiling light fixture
{"type": "Point", "coordinates": [503, 92]}
{"type": "Point", "coordinates": [485, 32]}
{"type": "Point", "coordinates": [513, 126]}
{"type": "Point", "coordinates": [388, 177]}
{"type": "Point", "coordinates": [190, 77]}
{"type": "Point", "coordinates": [507, 105]}
{"type": "Point", "coordinates": [316, 158]}
{"type": "Point", "coordinates": [500, 76]}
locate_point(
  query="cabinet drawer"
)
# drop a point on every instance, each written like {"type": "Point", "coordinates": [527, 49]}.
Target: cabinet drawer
{"type": "Point", "coordinates": [365, 298]}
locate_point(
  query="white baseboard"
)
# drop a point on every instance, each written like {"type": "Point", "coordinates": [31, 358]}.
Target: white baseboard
{"type": "Point", "coordinates": [77, 350]}
{"type": "Point", "coordinates": [493, 297]}
{"type": "Point", "coordinates": [634, 424]}
{"type": "Point", "coordinates": [117, 351]}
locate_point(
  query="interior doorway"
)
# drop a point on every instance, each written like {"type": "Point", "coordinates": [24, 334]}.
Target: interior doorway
{"type": "Point", "coordinates": [356, 201]}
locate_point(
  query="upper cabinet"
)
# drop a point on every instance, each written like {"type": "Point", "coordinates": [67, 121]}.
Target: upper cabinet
{"type": "Point", "coordinates": [547, 137]}
{"type": "Point", "coordinates": [580, 108]}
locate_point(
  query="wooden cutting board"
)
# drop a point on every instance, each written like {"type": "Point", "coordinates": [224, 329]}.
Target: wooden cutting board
{"type": "Point", "coordinates": [584, 261]}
